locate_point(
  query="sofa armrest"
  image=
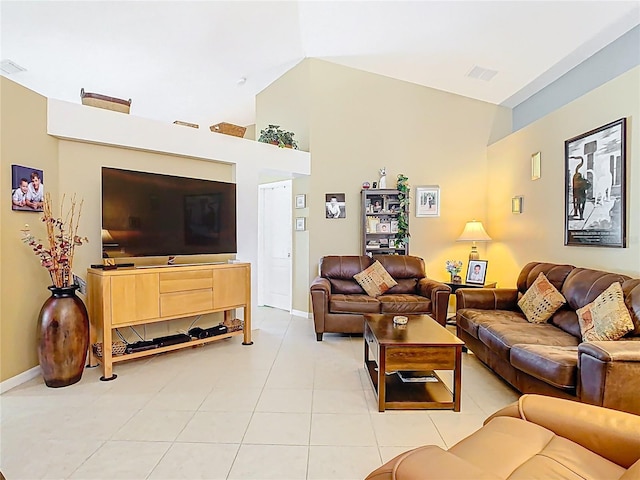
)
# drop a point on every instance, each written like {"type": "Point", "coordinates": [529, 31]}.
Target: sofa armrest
{"type": "Point", "coordinates": [609, 433]}
{"type": "Point", "coordinates": [320, 295]}
{"type": "Point", "coordinates": [487, 298]}
{"type": "Point", "coordinates": [610, 374]}
{"type": "Point", "coordinates": [438, 293]}
{"type": "Point", "coordinates": [321, 284]}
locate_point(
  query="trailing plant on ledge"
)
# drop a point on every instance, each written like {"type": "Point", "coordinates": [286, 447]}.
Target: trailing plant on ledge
{"type": "Point", "coordinates": [403, 217]}
{"type": "Point", "coordinates": [57, 254]}
{"type": "Point", "coordinates": [276, 136]}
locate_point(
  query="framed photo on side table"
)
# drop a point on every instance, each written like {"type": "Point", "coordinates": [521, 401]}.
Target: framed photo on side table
{"type": "Point", "coordinates": [476, 272]}
{"type": "Point", "coordinates": [428, 201]}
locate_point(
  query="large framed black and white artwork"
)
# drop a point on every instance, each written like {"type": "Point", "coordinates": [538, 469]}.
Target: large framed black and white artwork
{"type": "Point", "coordinates": [595, 187]}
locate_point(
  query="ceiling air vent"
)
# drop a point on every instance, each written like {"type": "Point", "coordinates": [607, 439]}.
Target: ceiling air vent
{"type": "Point", "coordinates": [8, 67]}
{"type": "Point", "coordinates": [481, 73]}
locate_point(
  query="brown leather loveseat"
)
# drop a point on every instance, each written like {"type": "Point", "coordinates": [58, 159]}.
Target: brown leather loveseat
{"type": "Point", "coordinates": [537, 438]}
{"type": "Point", "coordinates": [339, 303]}
{"type": "Point", "coordinates": [550, 358]}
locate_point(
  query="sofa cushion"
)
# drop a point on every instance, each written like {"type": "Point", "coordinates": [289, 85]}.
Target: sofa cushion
{"type": "Point", "coordinates": [500, 338]}
{"type": "Point", "coordinates": [556, 274]}
{"type": "Point", "coordinates": [404, 303]}
{"type": "Point", "coordinates": [532, 452]}
{"type": "Point", "coordinates": [583, 285]}
{"type": "Point", "coordinates": [339, 285]}
{"type": "Point", "coordinates": [567, 320]}
{"type": "Point", "coordinates": [340, 303]}
{"type": "Point", "coordinates": [403, 266]}
{"type": "Point", "coordinates": [375, 279]}
{"type": "Point", "coordinates": [343, 266]}
{"type": "Point", "coordinates": [555, 365]}
{"type": "Point", "coordinates": [469, 319]}
{"type": "Point", "coordinates": [607, 317]}
{"type": "Point", "coordinates": [541, 300]}
{"type": "Point", "coordinates": [405, 285]}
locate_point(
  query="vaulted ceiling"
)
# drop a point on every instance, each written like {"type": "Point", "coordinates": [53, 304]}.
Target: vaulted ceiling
{"type": "Point", "coordinates": [204, 61]}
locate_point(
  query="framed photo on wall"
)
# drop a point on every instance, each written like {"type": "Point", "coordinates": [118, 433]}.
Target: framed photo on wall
{"type": "Point", "coordinates": [595, 187]}
{"type": "Point", "coordinates": [335, 205]}
{"type": "Point", "coordinates": [427, 201]}
{"type": "Point", "coordinates": [476, 272]}
{"type": "Point", "coordinates": [27, 189]}
{"type": "Point", "coordinates": [301, 224]}
{"type": "Point", "coordinates": [301, 201]}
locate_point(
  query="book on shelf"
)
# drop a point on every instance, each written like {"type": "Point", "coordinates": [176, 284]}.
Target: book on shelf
{"type": "Point", "coordinates": [418, 377]}
{"type": "Point", "coordinates": [372, 223]}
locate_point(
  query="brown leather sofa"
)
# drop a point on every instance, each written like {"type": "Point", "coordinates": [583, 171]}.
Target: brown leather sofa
{"type": "Point", "coordinates": [551, 358]}
{"type": "Point", "coordinates": [339, 303]}
{"type": "Point", "coordinates": [537, 438]}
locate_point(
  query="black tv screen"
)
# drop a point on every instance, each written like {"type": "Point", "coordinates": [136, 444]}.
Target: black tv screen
{"type": "Point", "coordinates": [149, 214]}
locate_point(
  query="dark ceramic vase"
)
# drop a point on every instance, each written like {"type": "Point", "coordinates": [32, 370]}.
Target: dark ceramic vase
{"type": "Point", "coordinates": [63, 337]}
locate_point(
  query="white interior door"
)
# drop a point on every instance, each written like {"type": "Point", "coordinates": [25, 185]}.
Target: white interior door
{"type": "Point", "coordinates": [274, 281]}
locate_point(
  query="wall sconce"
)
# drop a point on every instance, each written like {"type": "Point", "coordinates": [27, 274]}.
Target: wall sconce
{"type": "Point", "coordinates": [535, 166]}
{"type": "Point", "coordinates": [516, 204]}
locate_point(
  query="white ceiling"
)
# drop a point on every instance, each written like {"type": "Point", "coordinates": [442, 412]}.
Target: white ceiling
{"type": "Point", "coordinates": [182, 60]}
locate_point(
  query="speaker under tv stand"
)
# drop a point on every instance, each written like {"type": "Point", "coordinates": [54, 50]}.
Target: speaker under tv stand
{"type": "Point", "coordinates": [139, 296]}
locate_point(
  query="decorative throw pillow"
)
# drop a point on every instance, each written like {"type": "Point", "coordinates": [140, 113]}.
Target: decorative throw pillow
{"type": "Point", "coordinates": [607, 317]}
{"type": "Point", "coordinates": [375, 279]}
{"type": "Point", "coordinates": [541, 300]}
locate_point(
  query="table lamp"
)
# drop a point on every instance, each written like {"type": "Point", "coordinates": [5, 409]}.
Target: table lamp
{"type": "Point", "coordinates": [474, 232]}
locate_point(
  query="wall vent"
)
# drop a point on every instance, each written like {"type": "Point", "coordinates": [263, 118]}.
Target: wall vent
{"type": "Point", "coordinates": [8, 67]}
{"type": "Point", "coordinates": [481, 73]}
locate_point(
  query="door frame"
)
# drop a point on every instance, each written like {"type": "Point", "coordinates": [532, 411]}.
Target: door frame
{"type": "Point", "coordinates": [261, 253]}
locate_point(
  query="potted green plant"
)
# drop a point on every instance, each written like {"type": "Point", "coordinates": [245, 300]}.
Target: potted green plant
{"type": "Point", "coordinates": [402, 237]}
{"type": "Point", "coordinates": [276, 136]}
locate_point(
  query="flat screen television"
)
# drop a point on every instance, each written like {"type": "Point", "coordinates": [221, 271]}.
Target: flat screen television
{"type": "Point", "coordinates": [149, 214]}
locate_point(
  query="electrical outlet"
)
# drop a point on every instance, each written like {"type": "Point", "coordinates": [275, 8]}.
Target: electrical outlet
{"type": "Point", "coordinates": [82, 284]}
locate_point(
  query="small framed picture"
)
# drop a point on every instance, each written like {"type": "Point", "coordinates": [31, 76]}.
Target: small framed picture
{"type": "Point", "coordinates": [428, 201]}
{"type": "Point", "coordinates": [27, 188]}
{"type": "Point", "coordinates": [301, 201]}
{"type": "Point", "coordinates": [300, 224]}
{"type": "Point", "coordinates": [335, 205]}
{"type": "Point", "coordinates": [383, 227]}
{"type": "Point", "coordinates": [476, 272]}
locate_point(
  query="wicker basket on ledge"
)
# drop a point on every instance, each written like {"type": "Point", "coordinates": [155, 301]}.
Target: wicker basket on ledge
{"type": "Point", "coordinates": [228, 129]}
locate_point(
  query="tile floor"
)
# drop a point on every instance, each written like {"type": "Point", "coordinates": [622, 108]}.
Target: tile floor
{"type": "Point", "coordinates": [287, 407]}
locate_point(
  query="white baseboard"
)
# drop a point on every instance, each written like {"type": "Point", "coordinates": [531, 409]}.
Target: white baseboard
{"type": "Point", "coordinates": [19, 379]}
{"type": "Point", "coordinates": [300, 313]}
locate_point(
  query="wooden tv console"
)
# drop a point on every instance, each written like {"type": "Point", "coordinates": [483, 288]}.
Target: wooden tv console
{"type": "Point", "coordinates": [136, 296]}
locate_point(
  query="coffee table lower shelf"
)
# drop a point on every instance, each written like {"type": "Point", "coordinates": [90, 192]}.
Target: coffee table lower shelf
{"type": "Point", "coordinates": [401, 395]}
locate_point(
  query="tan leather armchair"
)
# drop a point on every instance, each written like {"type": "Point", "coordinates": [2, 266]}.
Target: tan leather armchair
{"type": "Point", "coordinates": [536, 438]}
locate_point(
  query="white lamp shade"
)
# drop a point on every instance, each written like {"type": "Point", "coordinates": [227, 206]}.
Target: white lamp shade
{"type": "Point", "coordinates": [474, 232]}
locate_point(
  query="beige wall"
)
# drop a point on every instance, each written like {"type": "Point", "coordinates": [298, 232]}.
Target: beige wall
{"type": "Point", "coordinates": [538, 233]}
{"type": "Point", "coordinates": [23, 141]}
{"type": "Point", "coordinates": [359, 122]}
{"type": "Point", "coordinates": [286, 103]}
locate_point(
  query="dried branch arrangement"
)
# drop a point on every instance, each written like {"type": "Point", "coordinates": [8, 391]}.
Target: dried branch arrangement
{"type": "Point", "coordinates": [62, 239]}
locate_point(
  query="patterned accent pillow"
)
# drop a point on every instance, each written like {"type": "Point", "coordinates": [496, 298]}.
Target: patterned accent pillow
{"type": "Point", "coordinates": [375, 279]}
{"type": "Point", "coordinates": [607, 317]}
{"type": "Point", "coordinates": [541, 300]}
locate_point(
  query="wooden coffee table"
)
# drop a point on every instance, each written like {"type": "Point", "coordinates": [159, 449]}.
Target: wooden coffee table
{"type": "Point", "coordinates": [415, 349]}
